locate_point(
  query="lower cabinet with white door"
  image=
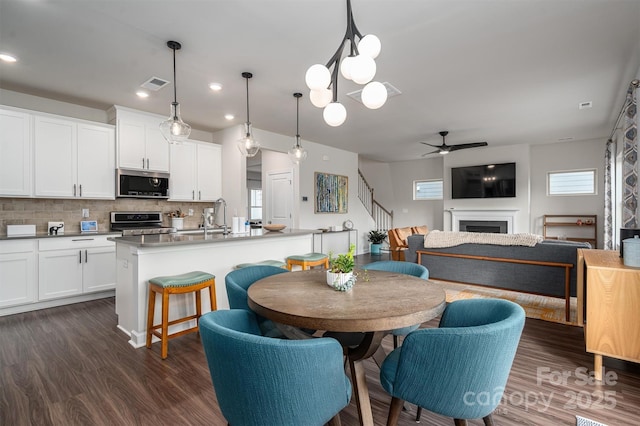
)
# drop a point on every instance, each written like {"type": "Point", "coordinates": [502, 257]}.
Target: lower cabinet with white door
{"type": "Point", "coordinates": [18, 273]}
{"type": "Point", "coordinates": [75, 265]}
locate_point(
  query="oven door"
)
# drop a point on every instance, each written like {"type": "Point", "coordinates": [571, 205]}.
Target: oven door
{"type": "Point", "coordinates": [142, 184]}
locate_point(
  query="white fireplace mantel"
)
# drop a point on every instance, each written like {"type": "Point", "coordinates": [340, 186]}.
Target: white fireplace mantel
{"type": "Point", "coordinates": [507, 215]}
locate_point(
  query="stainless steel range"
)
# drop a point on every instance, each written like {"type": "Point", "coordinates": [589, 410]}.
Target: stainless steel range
{"type": "Point", "coordinates": [139, 223]}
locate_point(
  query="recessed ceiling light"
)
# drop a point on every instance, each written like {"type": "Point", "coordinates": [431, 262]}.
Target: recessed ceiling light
{"type": "Point", "coordinates": [8, 58]}
{"type": "Point", "coordinates": [142, 94]}
{"type": "Point", "coordinates": [229, 116]}
{"type": "Point", "coordinates": [216, 87]}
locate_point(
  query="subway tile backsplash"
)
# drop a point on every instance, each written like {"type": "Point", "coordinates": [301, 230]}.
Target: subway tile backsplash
{"type": "Point", "coordinates": [39, 211]}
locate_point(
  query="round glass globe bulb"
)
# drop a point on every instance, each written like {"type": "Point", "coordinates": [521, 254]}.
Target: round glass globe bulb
{"type": "Point", "coordinates": [374, 95]}
{"type": "Point", "coordinates": [297, 154]}
{"type": "Point", "coordinates": [321, 98]}
{"type": "Point", "coordinates": [317, 77]}
{"type": "Point", "coordinates": [345, 67]}
{"type": "Point", "coordinates": [363, 69]}
{"type": "Point", "coordinates": [334, 114]}
{"type": "Point", "coordinates": [369, 46]}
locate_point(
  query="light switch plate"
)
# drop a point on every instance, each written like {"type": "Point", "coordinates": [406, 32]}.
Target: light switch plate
{"type": "Point", "coordinates": [58, 225]}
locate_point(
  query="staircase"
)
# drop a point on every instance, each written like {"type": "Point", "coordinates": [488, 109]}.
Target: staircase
{"type": "Point", "coordinates": [382, 217]}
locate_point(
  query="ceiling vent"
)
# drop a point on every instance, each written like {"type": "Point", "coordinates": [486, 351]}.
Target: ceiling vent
{"type": "Point", "coordinates": [585, 105]}
{"type": "Point", "coordinates": [154, 83]}
{"type": "Point", "coordinates": [391, 92]}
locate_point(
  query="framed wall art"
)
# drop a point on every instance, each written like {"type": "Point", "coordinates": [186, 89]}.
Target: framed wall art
{"type": "Point", "coordinates": [331, 193]}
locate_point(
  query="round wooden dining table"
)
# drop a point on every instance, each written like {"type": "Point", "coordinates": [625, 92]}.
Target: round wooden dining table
{"type": "Point", "coordinates": [378, 303]}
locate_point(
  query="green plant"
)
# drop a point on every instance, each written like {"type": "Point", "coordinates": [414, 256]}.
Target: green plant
{"type": "Point", "coordinates": [342, 263]}
{"type": "Point", "coordinates": [377, 237]}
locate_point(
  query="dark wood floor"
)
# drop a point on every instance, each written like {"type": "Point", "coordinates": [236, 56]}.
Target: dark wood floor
{"type": "Point", "coordinates": [71, 366]}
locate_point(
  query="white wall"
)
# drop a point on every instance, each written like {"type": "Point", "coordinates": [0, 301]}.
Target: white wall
{"type": "Point", "coordinates": [563, 156]}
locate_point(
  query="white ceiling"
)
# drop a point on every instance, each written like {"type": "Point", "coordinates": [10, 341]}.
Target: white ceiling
{"type": "Point", "coordinates": [505, 72]}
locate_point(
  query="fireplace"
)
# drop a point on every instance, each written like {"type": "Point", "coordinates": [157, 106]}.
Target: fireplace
{"type": "Point", "coordinates": [496, 221]}
{"type": "Point", "coordinates": [491, 226]}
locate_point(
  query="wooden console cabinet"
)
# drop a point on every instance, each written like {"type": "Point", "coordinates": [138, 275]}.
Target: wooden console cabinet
{"type": "Point", "coordinates": [612, 323]}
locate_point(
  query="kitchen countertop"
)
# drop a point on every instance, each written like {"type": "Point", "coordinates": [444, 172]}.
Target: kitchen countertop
{"type": "Point", "coordinates": [4, 237]}
{"type": "Point", "coordinates": [178, 238]}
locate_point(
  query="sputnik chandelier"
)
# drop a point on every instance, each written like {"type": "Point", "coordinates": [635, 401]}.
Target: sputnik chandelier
{"type": "Point", "coordinates": [358, 66]}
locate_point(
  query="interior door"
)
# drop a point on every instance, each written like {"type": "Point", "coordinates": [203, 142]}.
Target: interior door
{"type": "Point", "coordinates": [280, 198]}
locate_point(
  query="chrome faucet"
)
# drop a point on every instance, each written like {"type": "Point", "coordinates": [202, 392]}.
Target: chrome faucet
{"type": "Point", "coordinates": [225, 231]}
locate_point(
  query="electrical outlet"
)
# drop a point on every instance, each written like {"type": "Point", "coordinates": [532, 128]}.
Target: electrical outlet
{"type": "Point", "coordinates": [85, 212]}
{"type": "Point", "coordinates": [190, 212]}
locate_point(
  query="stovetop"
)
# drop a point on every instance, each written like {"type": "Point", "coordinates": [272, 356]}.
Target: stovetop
{"type": "Point", "coordinates": [139, 223]}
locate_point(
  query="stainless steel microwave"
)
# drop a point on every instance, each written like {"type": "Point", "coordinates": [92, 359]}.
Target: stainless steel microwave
{"type": "Point", "coordinates": [142, 184]}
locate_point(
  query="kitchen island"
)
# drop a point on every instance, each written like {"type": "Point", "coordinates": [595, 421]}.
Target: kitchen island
{"type": "Point", "coordinates": [141, 257]}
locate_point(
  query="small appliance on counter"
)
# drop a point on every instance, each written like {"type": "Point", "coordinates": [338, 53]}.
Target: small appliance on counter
{"type": "Point", "coordinates": [21, 230]}
{"type": "Point", "coordinates": [55, 228]}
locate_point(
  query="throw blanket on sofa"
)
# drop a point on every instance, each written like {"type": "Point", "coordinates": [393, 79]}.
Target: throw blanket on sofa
{"type": "Point", "coordinates": [439, 239]}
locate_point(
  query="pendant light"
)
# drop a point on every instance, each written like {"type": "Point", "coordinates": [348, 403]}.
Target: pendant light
{"type": "Point", "coordinates": [359, 66]}
{"type": "Point", "coordinates": [297, 153]}
{"type": "Point", "coordinates": [248, 146]}
{"type": "Point", "coordinates": [174, 129]}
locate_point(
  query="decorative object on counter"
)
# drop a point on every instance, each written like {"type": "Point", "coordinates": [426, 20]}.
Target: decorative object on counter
{"type": "Point", "coordinates": [331, 193]}
{"type": "Point", "coordinates": [340, 275]}
{"type": "Point", "coordinates": [174, 129]}
{"type": "Point", "coordinates": [297, 153]}
{"type": "Point", "coordinates": [88, 226]}
{"type": "Point", "coordinates": [237, 225]}
{"type": "Point", "coordinates": [55, 228]}
{"type": "Point", "coordinates": [177, 219]}
{"type": "Point", "coordinates": [20, 230]}
{"type": "Point", "coordinates": [348, 225]}
{"type": "Point", "coordinates": [248, 146]}
{"type": "Point", "coordinates": [376, 238]}
{"type": "Point", "coordinates": [359, 66]}
{"type": "Point", "coordinates": [274, 227]}
{"type": "Point", "coordinates": [632, 252]}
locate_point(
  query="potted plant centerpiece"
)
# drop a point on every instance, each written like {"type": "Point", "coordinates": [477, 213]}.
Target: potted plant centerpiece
{"type": "Point", "coordinates": [340, 274]}
{"type": "Point", "coordinates": [376, 238]}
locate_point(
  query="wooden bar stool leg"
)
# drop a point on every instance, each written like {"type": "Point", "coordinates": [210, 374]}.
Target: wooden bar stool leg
{"type": "Point", "coordinates": [165, 323]}
{"type": "Point", "coordinates": [212, 296]}
{"type": "Point", "coordinates": [198, 304]}
{"type": "Point", "coordinates": [151, 306]}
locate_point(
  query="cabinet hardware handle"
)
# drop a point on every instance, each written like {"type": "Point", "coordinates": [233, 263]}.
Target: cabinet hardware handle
{"type": "Point", "coordinates": [74, 189]}
{"type": "Point", "coordinates": [83, 239]}
{"type": "Point", "coordinates": [86, 257]}
{"type": "Point", "coordinates": [147, 163]}
{"type": "Point", "coordinates": [81, 190]}
{"type": "Point", "coordinates": [199, 195]}
{"type": "Point", "coordinates": [143, 162]}
{"type": "Point", "coordinates": [80, 256]}
{"type": "Point", "coordinates": [193, 194]}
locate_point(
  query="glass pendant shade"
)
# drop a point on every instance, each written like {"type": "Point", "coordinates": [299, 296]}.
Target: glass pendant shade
{"type": "Point", "coordinates": [247, 145]}
{"type": "Point", "coordinates": [369, 46]}
{"type": "Point", "coordinates": [317, 77]}
{"type": "Point", "coordinates": [363, 69]}
{"type": "Point", "coordinates": [321, 98]}
{"type": "Point", "coordinates": [374, 95]}
{"type": "Point", "coordinates": [334, 114]}
{"type": "Point", "coordinates": [174, 129]}
{"type": "Point", "coordinates": [297, 153]}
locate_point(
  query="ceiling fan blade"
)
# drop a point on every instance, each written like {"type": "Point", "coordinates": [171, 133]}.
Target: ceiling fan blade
{"type": "Point", "coordinates": [467, 145]}
{"type": "Point", "coordinates": [429, 153]}
{"type": "Point", "coordinates": [434, 146]}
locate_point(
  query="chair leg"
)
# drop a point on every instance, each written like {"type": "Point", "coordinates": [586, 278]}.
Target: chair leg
{"type": "Point", "coordinates": [151, 306]}
{"type": "Point", "coordinates": [488, 420]}
{"type": "Point", "coordinates": [335, 420]}
{"type": "Point", "coordinates": [165, 324]}
{"type": "Point", "coordinates": [460, 422]}
{"type": "Point", "coordinates": [394, 411]}
{"type": "Point", "coordinates": [418, 414]}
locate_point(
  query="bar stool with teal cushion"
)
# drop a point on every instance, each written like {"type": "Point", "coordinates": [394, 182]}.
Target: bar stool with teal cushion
{"type": "Point", "coordinates": [307, 261]}
{"type": "Point", "coordinates": [276, 263]}
{"type": "Point", "coordinates": [191, 282]}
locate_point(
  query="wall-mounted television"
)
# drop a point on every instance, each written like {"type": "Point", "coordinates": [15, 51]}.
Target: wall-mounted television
{"type": "Point", "coordinates": [487, 181]}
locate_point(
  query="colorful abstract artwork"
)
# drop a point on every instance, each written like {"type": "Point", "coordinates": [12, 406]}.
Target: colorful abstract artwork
{"type": "Point", "coordinates": [332, 193]}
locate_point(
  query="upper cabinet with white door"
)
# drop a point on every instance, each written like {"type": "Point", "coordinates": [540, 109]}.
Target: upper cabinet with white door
{"type": "Point", "coordinates": [140, 144]}
{"type": "Point", "coordinates": [15, 153]}
{"type": "Point", "coordinates": [73, 158]}
{"type": "Point", "coordinates": [196, 171]}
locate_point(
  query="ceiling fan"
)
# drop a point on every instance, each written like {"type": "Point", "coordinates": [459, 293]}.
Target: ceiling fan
{"type": "Point", "coordinates": [445, 149]}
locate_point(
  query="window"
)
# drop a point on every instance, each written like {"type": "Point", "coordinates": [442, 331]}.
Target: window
{"type": "Point", "coordinates": [573, 182]}
{"type": "Point", "coordinates": [255, 204]}
{"type": "Point", "coordinates": [427, 189]}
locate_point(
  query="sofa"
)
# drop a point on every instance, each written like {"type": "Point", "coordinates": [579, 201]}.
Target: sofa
{"type": "Point", "coordinates": [398, 239]}
{"type": "Point", "coordinates": [544, 269]}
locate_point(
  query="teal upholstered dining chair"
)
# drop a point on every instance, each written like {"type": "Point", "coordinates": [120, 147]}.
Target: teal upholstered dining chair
{"type": "Point", "coordinates": [460, 369]}
{"type": "Point", "coordinates": [408, 268]}
{"type": "Point", "coordinates": [259, 380]}
{"type": "Point", "coordinates": [238, 282]}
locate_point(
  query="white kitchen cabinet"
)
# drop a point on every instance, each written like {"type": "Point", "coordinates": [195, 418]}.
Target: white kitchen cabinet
{"type": "Point", "coordinates": [73, 158]}
{"type": "Point", "coordinates": [15, 153]}
{"type": "Point", "coordinates": [140, 144]}
{"type": "Point", "coordinates": [196, 171]}
{"type": "Point", "coordinates": [18, 279]}
{"type": "Point", "coordinates": [75, 265]}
